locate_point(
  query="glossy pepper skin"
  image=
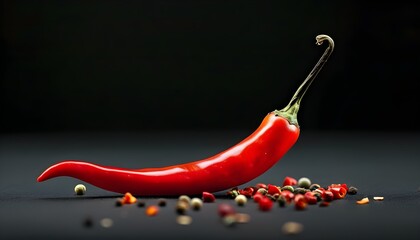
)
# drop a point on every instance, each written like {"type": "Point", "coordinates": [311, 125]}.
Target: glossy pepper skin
{"type": "Point", "coordinates": [237, 165]}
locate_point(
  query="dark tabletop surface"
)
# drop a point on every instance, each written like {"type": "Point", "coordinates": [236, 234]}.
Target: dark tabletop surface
{"type": "Point", "coordinates": [377, 163]}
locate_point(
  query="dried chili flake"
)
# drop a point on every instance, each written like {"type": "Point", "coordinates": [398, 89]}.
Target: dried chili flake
{"type": "Point", "coordinates": [363, 201]}
{"type": "Point", "coordinates": [128, 198]}
{"type": "Point", "coordinates": [338, 192]}
{"type": "Point", "coordinates": [152, 210]}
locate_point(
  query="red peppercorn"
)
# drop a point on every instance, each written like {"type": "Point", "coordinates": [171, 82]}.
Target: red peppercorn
{"type": "Point", "coordinates": [265, 204]}
{"type": "Point", "coordinates": [208, 197]}
{"type": "Point", "coordinates": [257, 197]}
{"type": "Point", "coordinates": [272, 189]}
{"type": "Point", "coordinates": [288, 195]}
{"type": "Point", "coordinates": [310, 198]}
{"type": "Point", "coordinates": [300, 202]}
{"type": "Point", "coordinates": [327, 196]}
{"type": "Point", "coordinates": [225, 209]}
{"type": "Point", "coordinates": [248, 191]}
{"type": "Point", "coordinates": [260, 185]}
{"type": "Point", "coordinates": [289, 181]}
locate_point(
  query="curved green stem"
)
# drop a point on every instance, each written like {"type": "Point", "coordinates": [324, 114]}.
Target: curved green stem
{"type": "Point", "coordinates": [291, 110]}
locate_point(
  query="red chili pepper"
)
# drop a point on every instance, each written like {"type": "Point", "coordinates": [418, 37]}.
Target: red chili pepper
{"type": "Point", "coordinates": [237, 165]}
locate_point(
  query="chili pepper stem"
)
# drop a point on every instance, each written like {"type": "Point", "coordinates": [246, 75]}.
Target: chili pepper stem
{"type": "Point", "coordinates": [291, 110]}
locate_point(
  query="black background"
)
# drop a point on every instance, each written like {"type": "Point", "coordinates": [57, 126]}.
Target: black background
{"type": "Point", "coordinates": [144, 65]}
{"type": "Point", "coordinates": [137, 84]}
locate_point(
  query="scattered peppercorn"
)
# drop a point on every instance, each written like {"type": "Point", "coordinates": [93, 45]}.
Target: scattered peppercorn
{"type": "Point", "coordinates": [282, 201]}
{"type": "Point", "coordinates": [261, 185]}
{"type": "Point", "coordinates": [300, 202]}
{"type": "Point", "coordinates": [352, 190]}
{"type": "Point", "coordinates": [88, 222]}
{"type": "Point", "coordinates": [184, 198]}
{"type": "Point", "coordinates": [300, 190]}
{"type": "Point", "coordinates": [241, 200]}
{"type": "Point", "coordinates": [161, 202]}
{"type": "Point", "coordinates": [289, 181]}
{"type": "Point", "coordinates": [119, 203]}
{"type": "Point", "coordinates": [233, 192]}
{"type": "Point", "coordinates": [257, 197]}
{"type": "Point", "coordinates": [304, 182]}
{"type": "Point", "coordinates": [184, 220]}
{"type": "Point", "coordinates": [288, 187]}
{"type": "Point", "coordinates": [225, 209]}
{"type": "Point", "coordinates": [242, 217]}
{"type": "Point", "coordinates": [292, 228]}
{"type": "Point", "coordinates": [314, 186]}
{"type": "Point", "coordinates": [196, 203]}
{"type": "Point", "coordinates": [248, 191]}
{"type": "Point", "coordinates": [317, 195]}
{"type": "Point", "coordinates": [262, 191]}
{"type": "Point", "coordinates": [265, 204]}
{"type": "Point", "coordinates": [208, 197]}
{"type": "Point", "coordinates": [106, 222]}
{"type": "Point", "coordinates": [181, 207]}
{"type": "Point", "coordinates": [273, 189]}
{"type": "Point", "coordinates": [327, 196]}
{"type": "Point", "coordinates": [229, 220]}
{"type": "Point", "coordinates": [80, 189]}
{"type": "Point", "coordinates": [141, 203]}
